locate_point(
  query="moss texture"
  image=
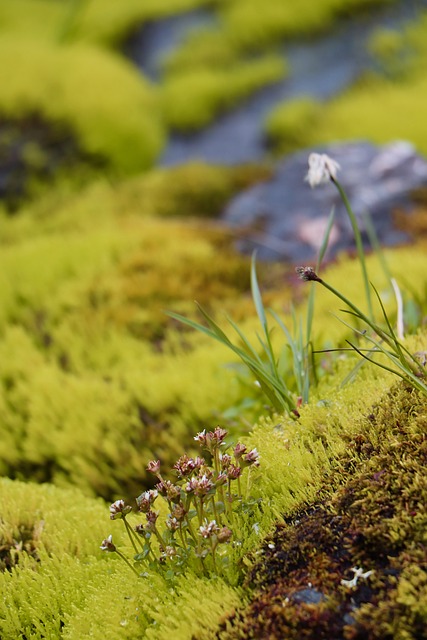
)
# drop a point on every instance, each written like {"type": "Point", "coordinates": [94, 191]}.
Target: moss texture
{"type": "Point", "coordinates": [95, 379]}
{"type": "Point", "coordinates": [369, 514]}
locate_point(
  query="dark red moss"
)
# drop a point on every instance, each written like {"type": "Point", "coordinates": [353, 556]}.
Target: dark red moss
{"type": "Point", "coordinates": [370, 514]}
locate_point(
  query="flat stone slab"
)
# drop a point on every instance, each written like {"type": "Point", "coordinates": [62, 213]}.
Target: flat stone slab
{"type": "Point", "coordinates": [284, 219]}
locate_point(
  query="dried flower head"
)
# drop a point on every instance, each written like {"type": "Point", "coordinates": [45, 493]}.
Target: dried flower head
{"type": "Point", "coordinates": [178, 512]}
{"type": "Point", "coordinates": [224, 535]}
{"type": "Point", "coordinates": [307, 274]}
{"type": "Point", "coordinates": [119, 510]}
{"type": "Point", "coordinates": [151, 521]}
{"type": "Point", "coordinates": [321, 169]}
{"type": "Point", "coordinates": [169, 491]}
{"type": "Point", "coordinates": [108, 545]}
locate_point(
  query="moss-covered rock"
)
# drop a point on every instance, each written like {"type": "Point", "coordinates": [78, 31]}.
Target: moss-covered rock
{"type": "Point", "coordinates": [352, 563]}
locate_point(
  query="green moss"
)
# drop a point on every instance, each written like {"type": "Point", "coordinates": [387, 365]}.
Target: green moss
{"type": "Point", "coordinates": [370, 514]}
{"type": "Point", "coordinates": [63, 586]}
{"type": "Point", "coordinates": [78, 86]}
{"type": "Point", "coordinates": [291, 124]}
{"type": "Point", "coordinates": [192, 99]}
{"type": "Point", "coordinates": [102, 21]}
{"type": "Point", "coordinates": [244, 28]}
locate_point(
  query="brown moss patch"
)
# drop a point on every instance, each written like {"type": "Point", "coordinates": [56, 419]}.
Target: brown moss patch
{"type": "Point", "coordinates": [370, 514]}
{"type": "Point", "coordinates": [18, 541]}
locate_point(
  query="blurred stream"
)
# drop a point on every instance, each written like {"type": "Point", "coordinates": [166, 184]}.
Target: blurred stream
{"type": "Point", "coordinates": [320, 68]}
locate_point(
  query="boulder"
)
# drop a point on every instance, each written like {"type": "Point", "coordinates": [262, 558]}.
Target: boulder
{"type": "Point", "coordinates": [284, 219]}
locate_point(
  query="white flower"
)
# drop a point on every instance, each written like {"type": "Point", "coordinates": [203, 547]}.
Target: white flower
{"type": "Point", "coordinates": [321, 169]}
{"type": "Point", "coordinates": [358, 573]}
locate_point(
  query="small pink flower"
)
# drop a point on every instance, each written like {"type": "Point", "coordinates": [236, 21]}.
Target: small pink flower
{"type": "Point", "coordinates": [233, 472]}
{"type": "Point", "coordinates": [154, 467]}
{"type": "Point", "coordinates": [208, 529]}
{"type": "Point", "coordinates": [239, 450]}
{"type": "Point", "coordinates": [108, 545]}
{"type": "Point", "coordinates": [119, 510]}
{"type": "Point", "coordinates": [252, 458]}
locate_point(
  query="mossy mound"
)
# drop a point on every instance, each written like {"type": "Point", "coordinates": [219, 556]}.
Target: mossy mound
{"type": "Point", "coordinates": [369, 515]}
{"type": "Point", "coordinates": [245, 29]}
{"type": "Point", "coordinates": [359, 112]}
{"type": "Point", "coordinates": [100, 97]}
{"type": "Point", "coordinates": [192, 99]}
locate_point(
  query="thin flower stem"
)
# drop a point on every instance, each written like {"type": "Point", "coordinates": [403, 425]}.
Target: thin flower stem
{"type": "Point", "coordinates": [191, 531]}
{"type": "Point", "coordinates": [382, 334]}
{"type": "Point", "coordinates": [159, 538]}
{"type": "Point", "coordinates": [131, 535]}
{"type": "Point", "coordinates": [213, 547]}
{"type": "Point", "coordinates": [123, 557]}
{"type": "Point", "coordinates": [359, 244]}
{"type": "Point", "coordinates": [215, 511]}
{"type": "Point", "coordinates": [358, 312]}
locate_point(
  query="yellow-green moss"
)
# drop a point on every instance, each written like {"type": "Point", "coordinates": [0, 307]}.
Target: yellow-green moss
{"type": "Point", "coordinates": [108, 105]}
{"type": "Point", "coordinates": [68, 588]}
{"type": "Point", "coordinates": [290, 124]}
{"type": "Point", "coordinates": [103, 21]}
{"type": "Point", "coordinates": [368, 514]}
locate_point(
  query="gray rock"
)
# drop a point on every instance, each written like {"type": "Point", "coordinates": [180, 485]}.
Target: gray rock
{"type": "Point", "coordinates": [284, 219]}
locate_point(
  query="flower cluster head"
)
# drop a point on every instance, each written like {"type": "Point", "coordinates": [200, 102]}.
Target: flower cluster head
{"type": "Point", "coordinates": [146, 499]}
{"type": "Point", "coordinates": [169, 490]}
{"type": "Point", "coordinates": [200, 486]}
{"type": "Point", "coordinates": [212, 439]}
{"type": "Point", "coordinates": [307, 274]}
{"type": "Point", "coordinates": [251, 458]}
{"type": "Point", "coordinates": [154, 467]}
{"type": "Point", "coordinates": [185, 466]}
{"type": "Point", "coordinates": [208, 529]}
{"type": "Point", "coordinates": [119, 510]}
{"type": "Point", "coordinates": [321, 169]}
